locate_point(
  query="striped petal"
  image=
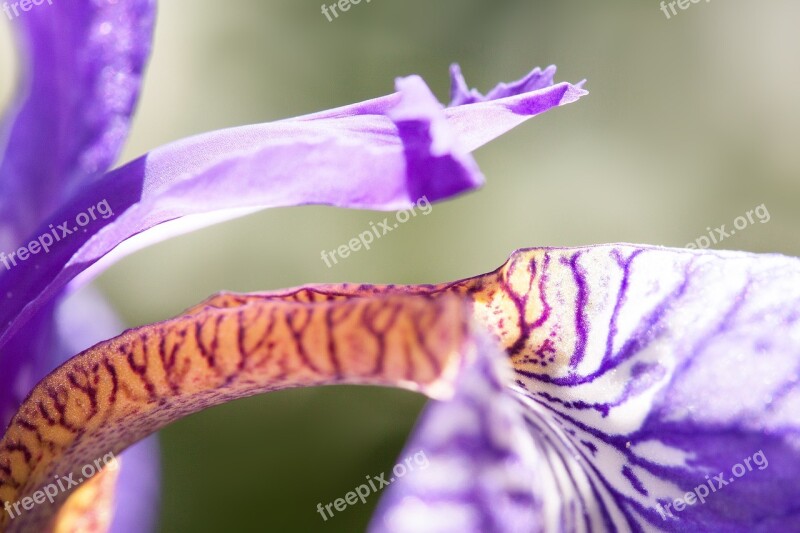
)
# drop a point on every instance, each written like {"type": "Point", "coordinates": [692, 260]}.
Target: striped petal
{"type": "Point", "coordinates": [628, 365]}
{"type": "Point", "coordinates": [116, 393]}
{"type": "Point", "coordinates": [663, 387]}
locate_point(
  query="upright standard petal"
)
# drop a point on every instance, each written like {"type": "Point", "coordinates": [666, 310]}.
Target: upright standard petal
{"type": "Point", "coordinates": [382, 154]}
{"type": "Point", "coordinates": [82, 69]}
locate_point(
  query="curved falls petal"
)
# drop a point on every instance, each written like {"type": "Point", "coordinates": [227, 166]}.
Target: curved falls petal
{"type": "Point", "coordinates": [639, 376]}
{"type": "Point", "coordinates": [121, 390]}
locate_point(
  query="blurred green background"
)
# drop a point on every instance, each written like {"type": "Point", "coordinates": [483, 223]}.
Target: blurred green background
{"type": "Point", "coordinates": [690, 123]}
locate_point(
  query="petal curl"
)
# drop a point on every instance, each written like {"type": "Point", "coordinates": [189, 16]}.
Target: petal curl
{"type": "Point", "coordinates": [382, 154]}
{"type": "Point", "coordinates": [82, 69]}
{"type": "Point", "coordinates": [660, 387]}
{"type": "Point", "coordinates": [461, 94]}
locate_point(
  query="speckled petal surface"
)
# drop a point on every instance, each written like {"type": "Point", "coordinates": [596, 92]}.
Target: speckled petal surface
{"type": "Point", "coordinates": [124, 389]}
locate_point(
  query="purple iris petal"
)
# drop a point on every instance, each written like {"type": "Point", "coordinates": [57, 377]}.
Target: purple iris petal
{"type": "Point", "coordinates": [675, 408]}
{"type": "Point", "coordinates": [26, 359]}
{"type": "Point", "coordinates": [66, 326]}
{"type": "Point", "coordinates": [496, 117]}
{"type": "Point", "coordinates": [138, 491]}
{"type": "Point", "coordinates": [461, 94]}
{"type": "Point", "coordinates": [398, 150]}
{"type": "Point", "coordinates": [83, 64]}
{"type": "Point", "coordinates": [82, 69]}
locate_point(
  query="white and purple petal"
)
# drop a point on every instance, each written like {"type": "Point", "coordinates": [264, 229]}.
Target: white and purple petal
{"type": "Point", "coordinates": [681, 366]}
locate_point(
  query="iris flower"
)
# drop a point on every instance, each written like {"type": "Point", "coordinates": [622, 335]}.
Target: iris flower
{"type": "Point", "coordinates": [606, 388]}
{"type": "Point", "coordinates": [64, 216]}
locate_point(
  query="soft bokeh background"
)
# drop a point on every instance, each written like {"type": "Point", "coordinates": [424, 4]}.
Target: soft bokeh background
{"type": "Point", "coordinates": [690, 123]}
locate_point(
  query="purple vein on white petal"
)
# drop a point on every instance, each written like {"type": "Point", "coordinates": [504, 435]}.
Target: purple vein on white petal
{"type": "Point", "coordinates": [638, 408]}
{"type": "Point", "coordinates": [691, 365]}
